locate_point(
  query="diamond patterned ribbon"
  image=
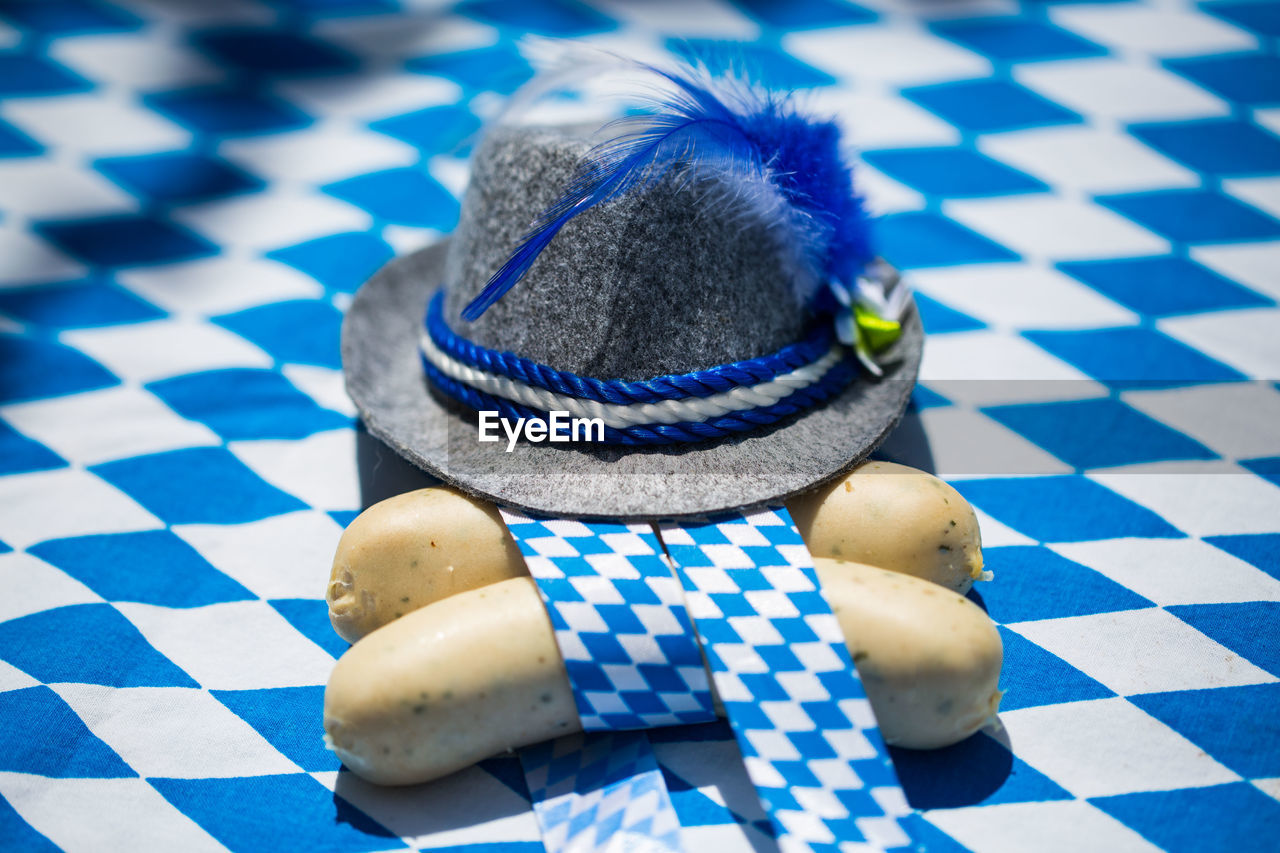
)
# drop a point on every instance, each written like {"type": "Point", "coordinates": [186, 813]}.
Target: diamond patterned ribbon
{"type": "Point", "coordinates": [599, 792]}
{"type": "Point", "coordinates": [633, 663]}
{"type": "Point", "coordinates": [793, 698]}
{"type": "Point", "coordinates": [620, 622]}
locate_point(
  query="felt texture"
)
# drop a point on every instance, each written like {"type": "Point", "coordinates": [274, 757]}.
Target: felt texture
{"type": "Point", "coordinates": [385, 379]}
{"type": "Point", "coordinates": [670, 279]}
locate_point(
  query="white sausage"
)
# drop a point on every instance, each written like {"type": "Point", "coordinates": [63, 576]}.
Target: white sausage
{"type": "Point", "coordinates": [479, 673]}
{"type": "Point", "coordinates": [929, 658]}
{"type": "Point", "coordinates": [448, 685]}
{"type": "Point", "coordinates": [897, 518]}
{"type": "Point", "coordinates": [413, 549]}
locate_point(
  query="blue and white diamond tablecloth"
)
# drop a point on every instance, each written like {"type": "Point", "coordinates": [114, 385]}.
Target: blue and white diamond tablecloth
{"type": "Point", "coordinates": [1087, 195]}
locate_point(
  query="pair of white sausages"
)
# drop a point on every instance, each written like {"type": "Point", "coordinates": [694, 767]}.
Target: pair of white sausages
{"type": "Point", "coordinates": [456, 659]}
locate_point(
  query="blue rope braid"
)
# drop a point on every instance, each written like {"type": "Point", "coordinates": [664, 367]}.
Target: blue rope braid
{"type": "Point", "coordinates": [679, 433]}
{"type": "Point", "coordinates": [701, 383]}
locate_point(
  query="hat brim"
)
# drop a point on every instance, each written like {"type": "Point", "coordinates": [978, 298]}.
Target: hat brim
{"type": "Point", "coordinates": [384, 378]}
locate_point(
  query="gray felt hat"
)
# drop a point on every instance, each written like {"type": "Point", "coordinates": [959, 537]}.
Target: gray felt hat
{"type": "Point", "coordinates": [659, 281]}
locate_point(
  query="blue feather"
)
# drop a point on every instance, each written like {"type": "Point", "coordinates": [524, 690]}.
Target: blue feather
{"type": "Point", "coordinates": [784, 166]}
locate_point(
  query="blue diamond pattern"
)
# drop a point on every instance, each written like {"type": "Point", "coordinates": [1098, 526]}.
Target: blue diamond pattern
{"type": "Point", "coordinates": [1268, 469]}
{"type": "Point", "coordinates": [1032, 677]}
{"type": "Point", "coordinates": [1258, 15]}
{"type": "Point", "coordinates": [496, 69]}
{"type": "Point", "coordinates": [19, 454]}
{"type": "Point", "coordinates": [14, 143]}
{"type": "Point", "coordinates": [1025, 571]}
{"type": "Point", "coordinates": [939, 319]}
{"type": "Point", "coordinates": [923, 397]}
{"type": "Point", "coordinates": [1016, 39]}
{"type": "Point", "coordinates": [129, 240]}
{"type": "Point", "coordinates": [244, 404]}
{"type": "Point", "coordinates": [231, 492]}
{"type": "Point", "coordinates": [53, 741]}
{"type": "Point", "coordinates": [1174, 819]}
{"type": "Point", "coordinates": [161, 568]}
{"type": "Point", "coordinates": [1236, 627]}
{"type": "Point", "coordinates": [955, 171]}
{"type": "Point", "coordinates": [337, 8]}
{"type": "Point", "coordinates": [694, 808]}
{"type": "Point", "coordinates": [341, 262]}
{"type": "Point", "coordinates": [311, 618]}
{"type": "Point", "coordinates": [607, 648]}
{"type": "Point", "coordinates": [51, 646]}
{"type": "Point", "coordinates": [20, 834]}
{"type": "Point", "coordinates": [289, 717]}
{"type": "Point", "coordinates": [66, 17]}
{"type": "Point", "coordinates": [344, 517]}
{"type": "Point", "coordinates": [991, 774]}
{"type": "Point", "coordinates": [26, 76]}
{"type": "Point", "coordinates": [777, 68]}
{"type": "Point", "coordinates": [1134, 357]}
{"type": "Point", "coordinates": [76, 305]}
{"type": "Point", "coordinates": [1226, 722]}
{"type": "Point", "coordinates": [559, 18]}
{"type": "Point", "coordinates": [1226, 147]}
{"type": "Point", "coordinates": [1246, 78]}
{"type": "Point", "coordinates": [1260, 549]}
{"type": "Point", "coordinates": [266, 52]}
{"type": "Point", "coordinates": [930, 837]}
{"type": "Point", "coordinates": [1162, 286]}
{"type": "Point", "coordinates": [987, 106]}
{"type": "Point", "coordinates": [805, 14]}
{"type": "Point", "coordinates": [237, 108]}
{"type": "Point", "coordinates": [229, 111]}
{"type": "Point", "coordinates": [435, 130]}
{"type": "Point", "coordinates": [178, 177]}
{"type": "Point", "coordinates": [235, 811]}
{"type": "Point", "coordinates": [922, 239]}
{"type": "Point", "coordinates": [402, 196]}
{"type": "Point", "coordinates": [1079, 509]}
{"type": "Point", "coordinates": [301, 332]}
{"type": "Point", "coordinates": [1194, 216]}
{"type": "Point", "coordinates": [1098, 433]}
{"type": "Point", "coordinates": [31, 369]}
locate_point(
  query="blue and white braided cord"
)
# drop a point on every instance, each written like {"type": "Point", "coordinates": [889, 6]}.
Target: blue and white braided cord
{"type": "Point", "coordinates": [702, 383]}
{"type": "Point", "coordinates": [689, 407]}
{"type": "Point", "coordinates": [717, 427]}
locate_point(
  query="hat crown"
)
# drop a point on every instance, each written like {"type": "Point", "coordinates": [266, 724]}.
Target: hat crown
{"type": "Point", "coordinates": [669, 279]}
